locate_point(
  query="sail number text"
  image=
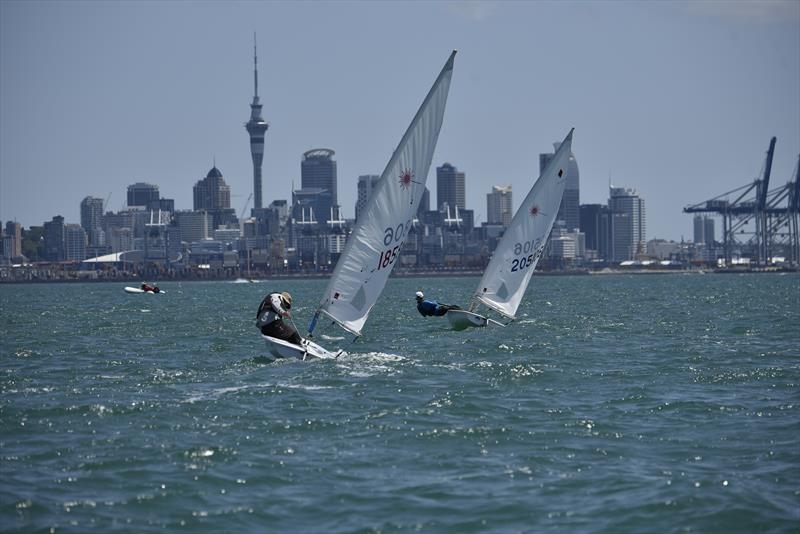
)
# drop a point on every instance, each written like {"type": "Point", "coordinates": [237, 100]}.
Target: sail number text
{"type": "Point", "coordinates": [396, 237]}
{"type": "Point", "coordinates": [528, 254]}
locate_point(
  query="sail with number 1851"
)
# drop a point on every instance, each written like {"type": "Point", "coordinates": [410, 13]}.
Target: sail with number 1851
{"type": "Point", "coordinates": [373, 248]}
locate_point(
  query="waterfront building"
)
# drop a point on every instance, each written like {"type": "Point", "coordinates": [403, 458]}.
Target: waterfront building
{"type": "Point", "coordinates": [595, 224]}
{"type": "Point", "coordinates": [54, 239]}
{"type": "Point", "coordinates": [704, 230]}
{"type": "Point", "coordinates": [141, 194]}
{"type": "Point", "coordinates": [194, 225]}
{"type": "Point", "coordinates": [628, 228]}
{"type": "Point", "coordinates": [499, 208]}
{"type": "Point", "coordinates": [568, 210]}
{"type": "Point", "coordinates": [120, 238]}
{"type": "Point", "coordinates": [256, 128]}
{"type": "Point", "coordinates": [92, 220]}
{"type": "Point", "coordinates": [227, 235]}
{"type": "Point", "coordinates": [12, 240]}
{"type": "Point", "coordinates": [162, 204]}
{"type": "Point", "coordinates": [450, 187]}
{"type": "Point", "coordinates": [312, 205]}
{"type": "Point", "coordinates": [661, 249]}
{"type": "Point", "coordinates": [213, 195]}
{"type": "Point", "coordinates": [366, 182]}
{"type": "Point", "coordinates": [318, 170]}
{"type": "Point", "coordinates": [74, 242]}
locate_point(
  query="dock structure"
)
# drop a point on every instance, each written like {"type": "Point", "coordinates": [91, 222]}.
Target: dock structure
{"type": "Point", "coordinates": [759, 223]}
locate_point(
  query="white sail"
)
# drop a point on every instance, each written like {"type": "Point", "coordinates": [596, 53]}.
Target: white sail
{"type": "Point", "coordinates": [374, 246]}
{"type": "Point", "coordinates": [510, 269]}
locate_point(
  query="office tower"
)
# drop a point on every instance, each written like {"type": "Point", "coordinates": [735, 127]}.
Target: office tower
{"type": "Point", "coordinates": [627, 223]}
{"type": "Point", "coordinates": [595, 224]}
{"type": "Point", "coordinates": [163, 204]}
{"type": "Point", "coordinates": [569, 209]}
{"type": "Point", "coordinates": [318, 170]}
{"type": "Point", "coordinates": [213, 195]}
{"type": "Point", "coordinates": [92, 219]}
{"type": "Point", "coordinates": [74, 242]}
{"type": "Point", "coordinates": [499, 209]}
{"type": "Point", "coordinates": [12, 240]}
{"type": "Point", "coordinates": [256, 128]}
{"type": "Point", "coordinates": [194, 225]}
{"type": "Point", "coordinates": [312, 204]}
{"type": "Point", "coordinates": [450, 187]}
{"type": "Point", "coordinates": [366, 182]}
{"type": "Point", "coordinates": [708, 231]}
{"type": "Point", "coordinates": [54, 239]}
{"type": "Point", "coordinates": [141, 194]}
{"type": "Point", "coordinates": [699, 229]}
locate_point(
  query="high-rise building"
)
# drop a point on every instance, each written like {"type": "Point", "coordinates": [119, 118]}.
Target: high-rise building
{"type": "Point", "coordinates": [194, 225]}
{"type": "Point", "coordinates": [92, 220]}
{"type": "Point", "coordinates": [595, 224]}
{"type": "Point", "coordinates": [499, 208]}
{"type": "Point", "coordinates": [366, 182]}
{"type": "Point", "coordinates": [213, 195]}
{"type": "Point", "coordinates": [568, 210]}
{"type": "Point", "coordinates": [256, 128]}
{"type": "Point", "coordinates": [74, 242]}
{"type": "Point", "coordinates": [704, 230]}
{"type": "Point", "coordinates": [312, 204]}
{"type": "Point", "coordinates": [54, 239]}
{"type": "Point", "coordinates": [450, 187]}
{"type": "Point", "coordinates": [12, 240]}
{"type": "Point", "coordinates": [627, 224]}
{"type": "Point", "coordinates": [141, 194]}
{"type": "Point", "coordinates": [318, 170]}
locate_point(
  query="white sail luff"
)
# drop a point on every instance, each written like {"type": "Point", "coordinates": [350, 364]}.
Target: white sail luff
{"type": "Point", "coordinates": [511, 267]}
{"type": "Point", "coordinates": [382, 227]}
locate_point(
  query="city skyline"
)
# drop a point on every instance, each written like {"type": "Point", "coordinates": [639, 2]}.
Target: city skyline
{"type": "Point", "coordinates": [680, 120]}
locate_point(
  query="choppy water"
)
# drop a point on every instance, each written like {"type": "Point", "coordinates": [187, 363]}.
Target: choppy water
{"type": "Point", "coordinates": [614, 404]}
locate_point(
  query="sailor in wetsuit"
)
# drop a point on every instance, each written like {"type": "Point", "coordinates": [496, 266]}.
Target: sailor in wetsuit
{"type": "Point", "coordinates": [269, 318]}
{"type": "Point", "coordinates": [431, 307]}
{"type": "Point", "coordinates": [148, 287]}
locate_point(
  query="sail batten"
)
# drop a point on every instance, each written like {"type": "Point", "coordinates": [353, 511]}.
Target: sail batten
{"type": "Point", "coordinates": [374, 246]}
{"type": "Point", "coordinates": [506, 277]}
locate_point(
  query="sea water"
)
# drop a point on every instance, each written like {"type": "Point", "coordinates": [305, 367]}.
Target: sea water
{"type": "Point", "coordinates": [612, 404]}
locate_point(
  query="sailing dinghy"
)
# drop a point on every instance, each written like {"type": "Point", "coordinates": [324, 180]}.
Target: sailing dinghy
{"type": "Point", "coordinates": [506, 277]}
{"type": "Point", "coordinates": [382, 227]}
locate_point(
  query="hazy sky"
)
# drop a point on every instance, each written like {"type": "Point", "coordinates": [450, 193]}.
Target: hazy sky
{"type": "Point", "coordinates": [676, 99]}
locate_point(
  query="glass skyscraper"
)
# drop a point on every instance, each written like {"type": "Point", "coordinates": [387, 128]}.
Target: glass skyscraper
{"type": "Point", "coordinates": [627, 223]}
{"type": "Point", "coordinates": [450, 187]}
{"type": "Point", "coordinates": [318, 170]}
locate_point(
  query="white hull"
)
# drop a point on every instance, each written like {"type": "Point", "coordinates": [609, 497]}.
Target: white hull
{"type": "Point", "coordinates": [308, 351]}
{"type": "Point", "coordinates": [136, 290]}
{"type": "Point", "coordinates": [462, 319]}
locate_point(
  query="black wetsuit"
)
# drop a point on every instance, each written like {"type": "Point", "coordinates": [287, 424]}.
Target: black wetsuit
{"type": "Point", "coordinates": [270, 320]}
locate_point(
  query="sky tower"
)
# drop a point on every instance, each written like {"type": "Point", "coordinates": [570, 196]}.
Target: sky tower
{"type": "Point", "coordinates": [256, 127]}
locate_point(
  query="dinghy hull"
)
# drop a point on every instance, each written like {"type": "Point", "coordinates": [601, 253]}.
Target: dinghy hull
{"type": "Point", "coordinates": [307, 351]}
{"type": "Point", "coordinates": [462, 319]}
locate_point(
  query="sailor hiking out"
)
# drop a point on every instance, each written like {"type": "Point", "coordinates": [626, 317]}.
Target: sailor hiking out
{"type": "Point", "coordinates": [269, 318]}
{"type": "Point", "coordinates": [431, 307]}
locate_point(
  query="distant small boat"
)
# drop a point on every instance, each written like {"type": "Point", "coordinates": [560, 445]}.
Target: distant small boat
{"type": "Point", "coordinates": [136, 290]}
